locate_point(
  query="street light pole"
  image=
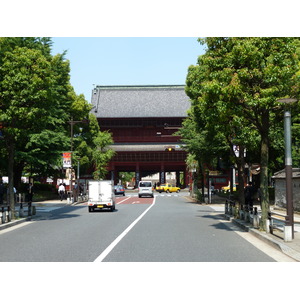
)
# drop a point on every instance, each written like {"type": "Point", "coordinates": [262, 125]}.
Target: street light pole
{"type": "Point", "coordinates": [72, 122]}
{"type": "Point", "coordinates": [288, 170]}
{"type": "Point", "coordinates": [71, 179]}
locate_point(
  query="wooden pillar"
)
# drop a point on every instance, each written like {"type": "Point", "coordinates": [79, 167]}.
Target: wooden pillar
{"type": "Point", "coordinates": [162, 174]}
{"type": "Point", "coordinates": [178, 178]}
{"type": "Point", "coordinates": [137, 175]}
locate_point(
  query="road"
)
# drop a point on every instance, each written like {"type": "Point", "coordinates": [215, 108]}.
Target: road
{"type": "Point", "coordinates": [167, 228]}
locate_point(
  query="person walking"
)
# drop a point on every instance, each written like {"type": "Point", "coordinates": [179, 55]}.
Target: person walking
{"type": "Point", "coordinates": [61, 191]}
{"type": "Point", "coordinates": [249, 194]}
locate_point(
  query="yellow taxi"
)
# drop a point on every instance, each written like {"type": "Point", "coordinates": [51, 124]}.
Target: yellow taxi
{"type": "Point", "coordinates": [168, 188]}
{"type": "Point", "coordinates": [226, 189]}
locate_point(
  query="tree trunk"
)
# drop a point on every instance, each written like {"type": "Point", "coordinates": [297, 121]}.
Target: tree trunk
{"type": "Point", "coordinates": [264, 171]}
{"type": "Point", "coordinates": [241, 174]}
{"type": "Point", "coordinates": [18, 170]}
{"type": "Point", "coordinates": [11, 194]}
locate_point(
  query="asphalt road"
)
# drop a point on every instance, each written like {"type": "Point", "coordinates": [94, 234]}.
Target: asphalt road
{"type": "Point", "coordinates": [168, 228]}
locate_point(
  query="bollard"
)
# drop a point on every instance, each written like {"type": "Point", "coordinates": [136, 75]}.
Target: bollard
{"type": "Point", "coordinates": [241, 214]}
{"type": "Point", "coordinates": [256, 221]}
{"type": "Point", "coordinates": [288, 235]}
{"type": "Point", "coordinates": [3, 216]}
{"type": "Point", "coordinates": [246, 216]}
{"type": "Point", "coordinates": [8, 214]}
{"type": "Point", "coordinates": [267, 226]}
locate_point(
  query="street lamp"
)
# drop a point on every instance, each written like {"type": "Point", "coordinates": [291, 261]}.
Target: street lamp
{"type": "Point", "coordinates": [72, 122]}
{"type": "Point", "coordinates": [288, 168]}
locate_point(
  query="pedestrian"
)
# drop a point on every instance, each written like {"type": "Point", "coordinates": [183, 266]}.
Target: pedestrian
{"type": "Point", "coordinates": [249, 194]}
{"type": "Point", "coordinates": [75, 191]}
{"type": "Point", "coordinates": [30, 192]}
{"type": "Point", "coordinates": [61, 191]}
{"type": "Point", "coordinates": [66, 193]}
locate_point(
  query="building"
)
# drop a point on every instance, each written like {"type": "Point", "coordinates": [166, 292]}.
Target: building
{"type": "Point", "coordinates": [143, 120]}
{"type": "Point", "coordinates": [280, 188]}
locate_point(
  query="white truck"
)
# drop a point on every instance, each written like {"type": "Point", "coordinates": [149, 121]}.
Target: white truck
{"type": "Point", "coordinates": [101, 195]}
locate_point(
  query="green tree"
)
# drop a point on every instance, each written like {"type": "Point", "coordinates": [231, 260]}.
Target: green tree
{"type": "Point", "coordinates": [236, 85]}
{"type": "Point", "coordinates": [33, 86]}
{"type": "Point", "coordinates": [92, 150]}
{"type": "Point", "coordinates": [37, 103]}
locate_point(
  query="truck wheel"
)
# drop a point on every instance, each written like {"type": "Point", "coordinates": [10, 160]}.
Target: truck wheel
{"type": "Point", "coordinates": [167, 191]}
{"type": "Point", "coordinates": [112, 208]}
{"type": "Point", "coordinates": [91, 209]}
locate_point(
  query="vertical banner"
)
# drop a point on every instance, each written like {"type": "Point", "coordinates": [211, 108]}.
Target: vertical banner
{"type": "Point", "coordinates": [67, 160]}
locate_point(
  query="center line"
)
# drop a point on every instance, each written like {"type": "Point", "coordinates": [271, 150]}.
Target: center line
{"type": "Point", "coordinates": [101, 257]}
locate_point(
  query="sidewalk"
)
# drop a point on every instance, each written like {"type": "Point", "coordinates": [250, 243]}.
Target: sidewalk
{"type": "Point", "coordinates": [276, 239]}
{"type": "Point", "coordinates": [40, 205]}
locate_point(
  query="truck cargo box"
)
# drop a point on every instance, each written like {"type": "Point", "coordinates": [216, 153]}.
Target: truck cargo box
{"type": "Point", "coordinates": [101, 195]}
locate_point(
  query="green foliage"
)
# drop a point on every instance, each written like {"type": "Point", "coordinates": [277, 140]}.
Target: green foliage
{"type": "Point", "coordinates": [36, 104]}
{"type": "Point", "coordinates": [234, 91]}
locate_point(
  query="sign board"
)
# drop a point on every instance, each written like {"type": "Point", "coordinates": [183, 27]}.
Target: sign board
{"type": "Point", "coordinates": [67, 160]}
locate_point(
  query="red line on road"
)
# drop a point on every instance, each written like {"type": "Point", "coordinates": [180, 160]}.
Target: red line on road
{"type": "Point", "coordinates": [134, 200]}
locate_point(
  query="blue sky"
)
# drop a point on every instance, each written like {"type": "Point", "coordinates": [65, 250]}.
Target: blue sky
{"type": "Point", "coordinates": [127, 60]}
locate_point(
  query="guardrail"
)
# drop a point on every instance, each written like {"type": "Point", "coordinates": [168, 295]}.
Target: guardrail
{"type": "Point", "coordinates": [245, 212]}
{"type": "Point", "coordinates": [230, 207]}
{"type": "Point", "coordinates": [279, 221]}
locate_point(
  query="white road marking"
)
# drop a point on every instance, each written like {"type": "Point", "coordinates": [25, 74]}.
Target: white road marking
{"type": "Point", "coordinates": [123, 200]}
{"type": "Point", "coordinates": [15, 227]}
{"type": "Point", "coordinates": [102, 256]}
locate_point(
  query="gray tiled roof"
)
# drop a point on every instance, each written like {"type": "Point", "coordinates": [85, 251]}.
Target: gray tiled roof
{"type": "Point", "coordinates": [140, 101]}
{"type": "Point", "coordinates": [281, 174]}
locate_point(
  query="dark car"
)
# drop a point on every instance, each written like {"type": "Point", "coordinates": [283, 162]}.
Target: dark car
{"type": "Point", "coordinates": [119, 190]}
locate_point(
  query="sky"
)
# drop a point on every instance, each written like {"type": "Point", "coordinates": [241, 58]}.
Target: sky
{"type": "Point", "coordinates": [127, 60]}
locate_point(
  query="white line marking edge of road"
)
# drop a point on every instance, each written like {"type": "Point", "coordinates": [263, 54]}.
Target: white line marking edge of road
{"type": "Point", "coordinates": [102, 256]}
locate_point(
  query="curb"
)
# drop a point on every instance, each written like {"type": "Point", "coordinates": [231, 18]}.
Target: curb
{"type": "Point", "coordinates": [25, 219]}
{"type": "Point", "coordinates": [14, 223]}
{"type": "Point", "coordinates": [264, 237]}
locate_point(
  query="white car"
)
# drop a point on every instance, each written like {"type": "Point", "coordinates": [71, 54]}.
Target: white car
{"type": "Point", "coordinates": [145, 189]}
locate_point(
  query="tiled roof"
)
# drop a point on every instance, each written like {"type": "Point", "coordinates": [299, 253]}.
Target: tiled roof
{"type": "Point", "coordinates": [140, 101]}
{"type": "Point", "coordinates": [281, 174]}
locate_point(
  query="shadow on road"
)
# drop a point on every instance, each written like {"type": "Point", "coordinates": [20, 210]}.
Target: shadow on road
{"type": "Point", "coordinates": [220, 225]}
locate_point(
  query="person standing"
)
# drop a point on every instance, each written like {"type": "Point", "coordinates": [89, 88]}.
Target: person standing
{"type": "Point", "coordinates": [61, 191]}
{"type": "Point", "coordinates": [30, 192]}
{"type": "Point", "coordinates": [249, 194]}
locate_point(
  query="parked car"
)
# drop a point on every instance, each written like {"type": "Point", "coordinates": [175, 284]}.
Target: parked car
{"type": "Point", "coordinates": [226, 189]}
{"type": "Point", "coordinates": [168, 188]}
{"type": "Point", "coordinates": [119, 190]}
